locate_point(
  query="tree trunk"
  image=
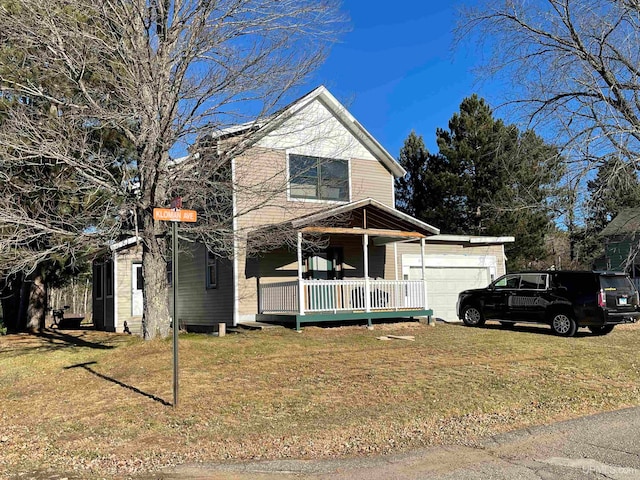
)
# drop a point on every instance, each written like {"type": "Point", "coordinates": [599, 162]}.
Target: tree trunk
{"type": "Point", "coordinates": [155, 317]}
{"type": "Point", "coordinates": [37, 307]}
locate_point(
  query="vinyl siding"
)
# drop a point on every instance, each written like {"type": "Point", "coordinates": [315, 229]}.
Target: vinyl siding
{"type": "Point", "coordinates": [369, 178]}
{"type": "Point", "coordinates": [199, 307]}
{"type": "Point", "coordinates": [126, 258]}
{"type": "Point", "coordinates": [282, 265]}
{"type": "Point", "coordinates": [453, 249]}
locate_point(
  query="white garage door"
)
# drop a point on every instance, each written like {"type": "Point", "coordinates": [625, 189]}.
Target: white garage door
{"type": "Point", "coordinates": [445, 283]}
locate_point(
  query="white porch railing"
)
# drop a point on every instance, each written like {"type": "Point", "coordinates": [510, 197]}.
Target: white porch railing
{"type": "Point", "coordinates": [281, 297]}
{"type": "Point", "coordinates": [342, 296]}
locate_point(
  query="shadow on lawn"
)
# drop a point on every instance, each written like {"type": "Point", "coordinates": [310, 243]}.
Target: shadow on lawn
{"type": "Point", "coordinates": [87, 366]}
{"type": "Point", "coordinates": [537, 329]}
{"type": "Point", "coordinates": [58, 338]}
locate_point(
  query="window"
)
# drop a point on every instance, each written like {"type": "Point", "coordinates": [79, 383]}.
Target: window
{"type": "Point", "coordinates": [533, 281]}
{"type": "Point", "coordinates": [212, 270]}
{"type": "Point", "coordinates": [97, 281]}
{"type": "Point", "coordinates": [318, 178]}
{"type": "Point", "coordinates": [108, 266]}
{"type": "Point", "coordinates": [509, 281]}
{"type": "Point", "coordinates": [139, 281]}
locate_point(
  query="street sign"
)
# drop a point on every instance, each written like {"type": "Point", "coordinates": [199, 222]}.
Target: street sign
{"type": "Point", "coordinates": [175, 214]}
{"type": "Point", "coordinates": [170, 215]}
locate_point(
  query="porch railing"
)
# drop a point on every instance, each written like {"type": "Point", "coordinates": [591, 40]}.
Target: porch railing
{"type": "Point", "coordinates": [342, 295]}
{"type": "Point", "coordinates": [281, 297]}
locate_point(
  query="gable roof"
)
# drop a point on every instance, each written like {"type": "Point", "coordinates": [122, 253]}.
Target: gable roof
{"type": "Point", "coordinates": [626, 222]}
{"type": "Point", "coordinates": [378, 216]}
{"type": "Point", "coordinates": [321, 94]}
{"type": "Point", "coordinates": [367, 216]}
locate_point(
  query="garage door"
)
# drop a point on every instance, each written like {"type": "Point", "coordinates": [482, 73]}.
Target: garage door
{"type": "Point", "coordinates": [445, 283]}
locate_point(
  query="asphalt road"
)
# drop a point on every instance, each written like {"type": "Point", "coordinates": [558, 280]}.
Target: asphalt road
{"type": "Point", "coordinates": [603, 446]}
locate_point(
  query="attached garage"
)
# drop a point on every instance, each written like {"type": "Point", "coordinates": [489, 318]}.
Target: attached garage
{"type": "Point", "coordinates": [454, 263]}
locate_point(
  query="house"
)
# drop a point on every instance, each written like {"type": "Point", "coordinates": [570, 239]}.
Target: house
{"type": "Point", "coordinates": [621, 238]}
{"type": "Point", "coordinates": [330, 243]}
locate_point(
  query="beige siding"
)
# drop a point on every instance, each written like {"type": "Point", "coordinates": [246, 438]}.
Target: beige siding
{"type": "Point", "coordinates": [454, 249]}
{"type": "Point", "coordinates": [282, 265]}
{"type": "Point", "coordinates": [126, 258]}
{"type": "Point", "coordinates": [370, 179]}
{"type": "Point", "coordinates": [262, 200]}
{"type": "Point", "coordinates": [262, 178]}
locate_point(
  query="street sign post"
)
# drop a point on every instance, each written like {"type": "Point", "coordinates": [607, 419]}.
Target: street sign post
{"type": "Point", "coordinates": [175, 214]}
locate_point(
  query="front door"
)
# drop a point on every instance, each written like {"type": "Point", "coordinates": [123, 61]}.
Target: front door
{"type": "Point", "coordinates": [137, 284]}
{"type": "Point", "coordinates": [325, 265]}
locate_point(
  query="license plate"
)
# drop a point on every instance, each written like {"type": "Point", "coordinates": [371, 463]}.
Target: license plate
{"type": "Point", "coordinates": [622, 300]}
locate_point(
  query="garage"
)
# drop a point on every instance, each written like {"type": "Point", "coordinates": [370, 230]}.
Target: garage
{"type": "Point", "coordinates": [444, 284]}
{"type": "Point", "coordinates": [453, 263]}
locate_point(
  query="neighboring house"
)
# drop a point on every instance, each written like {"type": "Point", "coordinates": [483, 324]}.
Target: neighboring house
{"type": "Point", "coordinates": [332, 245]}
{"type": "Point", "coordinates": [621, 240]}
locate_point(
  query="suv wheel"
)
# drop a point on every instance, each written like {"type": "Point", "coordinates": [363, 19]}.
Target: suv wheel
{"type": "Point", "coordinates": [472, 316]}
{"type": "Point", "coordinates": [563, 324]}
{"type": "Point", "coordinates": [601, 329]}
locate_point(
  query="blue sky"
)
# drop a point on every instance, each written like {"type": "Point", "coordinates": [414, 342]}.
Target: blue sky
{"type": "Point", "coordinates": [396, 72]}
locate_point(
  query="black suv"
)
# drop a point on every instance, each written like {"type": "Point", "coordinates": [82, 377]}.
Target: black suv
{"type": "Point", "coordinates": [565, 300]}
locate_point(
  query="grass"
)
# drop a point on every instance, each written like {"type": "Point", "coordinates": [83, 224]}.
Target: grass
{"type": "Point", "coordinates": [98, 404]}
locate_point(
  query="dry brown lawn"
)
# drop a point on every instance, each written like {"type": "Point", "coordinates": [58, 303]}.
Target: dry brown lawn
{"type": "Point", "coordinates": [97, 405]}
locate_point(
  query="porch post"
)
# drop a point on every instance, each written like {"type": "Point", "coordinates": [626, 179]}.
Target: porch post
{"type": "Point", "coordinates": [424, 276]}
{"type": "Point", "coordinates": [300, 285]}
{"type": "Point", "coordinates": [367, 285]}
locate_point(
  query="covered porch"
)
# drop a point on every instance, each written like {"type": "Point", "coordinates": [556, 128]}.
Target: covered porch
{"type": "Point", "coordinates": [339, 293]}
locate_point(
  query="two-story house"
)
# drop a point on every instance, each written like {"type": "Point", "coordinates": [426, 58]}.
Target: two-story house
{"type": "Point", "coordinates": [323, 241]}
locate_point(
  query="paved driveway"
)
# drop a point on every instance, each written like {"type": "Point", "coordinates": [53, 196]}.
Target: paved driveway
{"type": "Point", "coordinates": [604, 446]}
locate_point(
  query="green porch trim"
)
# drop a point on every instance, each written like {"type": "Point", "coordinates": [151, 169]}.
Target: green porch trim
{"type": "Point", "coordinates": [291, 317]}
{"type": "Point", "coordinates": [369, 316]}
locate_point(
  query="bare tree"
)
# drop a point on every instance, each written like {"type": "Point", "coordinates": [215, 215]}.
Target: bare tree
{"type": "Point", "coordinates": [574, 70]}
{"type": "Point", "coordinates": [157, 75]}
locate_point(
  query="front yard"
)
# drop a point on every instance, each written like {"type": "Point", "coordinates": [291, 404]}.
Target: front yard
{"type": "Point", "coordinates": [93, 404]}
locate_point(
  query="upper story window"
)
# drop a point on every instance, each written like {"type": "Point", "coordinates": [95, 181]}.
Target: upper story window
{"type": "Point", "coordinates": [318, 178]}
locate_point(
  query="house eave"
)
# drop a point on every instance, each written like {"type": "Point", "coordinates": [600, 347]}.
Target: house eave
{"type": "Point", "coordinates": [472, 239]}
{"type": "Point", "coordinates": [305, 221]}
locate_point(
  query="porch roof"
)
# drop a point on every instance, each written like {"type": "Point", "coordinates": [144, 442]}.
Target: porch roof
{"type": "Point", "coordinates": [368, 216]}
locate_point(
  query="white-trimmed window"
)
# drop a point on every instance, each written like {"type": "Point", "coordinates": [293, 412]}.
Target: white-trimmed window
{"type": "Point", "coordinates": [212, 270]}
{"type": "Point", "coordinates": [318, 178]}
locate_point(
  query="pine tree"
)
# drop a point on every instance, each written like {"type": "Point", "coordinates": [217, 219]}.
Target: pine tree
{"type": "Point", "coordinates": [487, 179]}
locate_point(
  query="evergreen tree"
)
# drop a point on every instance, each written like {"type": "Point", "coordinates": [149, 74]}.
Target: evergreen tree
{"type": "Point", "coordinates": [487, 179]}
{"type": "Point", "coordinates": [409, 189]}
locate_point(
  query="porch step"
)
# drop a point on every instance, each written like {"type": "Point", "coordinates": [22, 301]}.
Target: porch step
{"type": "Point", "coordinates": [258, 325]}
